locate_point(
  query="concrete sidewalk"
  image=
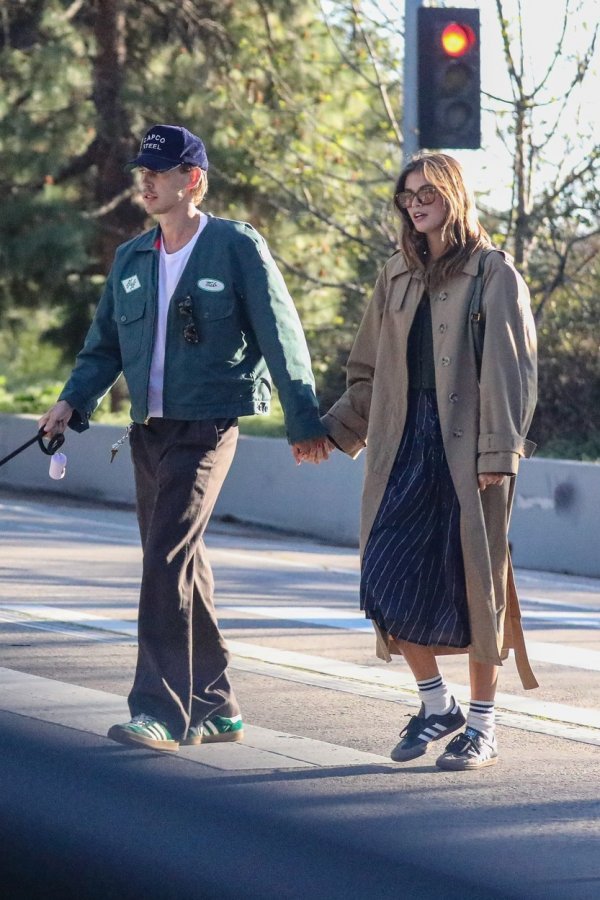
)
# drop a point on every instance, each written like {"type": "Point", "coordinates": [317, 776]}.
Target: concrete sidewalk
{"type": "Point", "coordinates": [291, 817]}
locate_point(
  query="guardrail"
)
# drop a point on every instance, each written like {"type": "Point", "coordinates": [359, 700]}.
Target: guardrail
{"type": "Point", "coordinates": [555, 525]}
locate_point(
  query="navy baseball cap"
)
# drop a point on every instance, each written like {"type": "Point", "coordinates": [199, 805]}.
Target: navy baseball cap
{"type": "Point", "coordinates": [166, 146]}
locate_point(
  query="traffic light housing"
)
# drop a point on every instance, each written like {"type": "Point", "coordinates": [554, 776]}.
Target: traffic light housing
{"type": "Point", "coordinates": [448, 80]}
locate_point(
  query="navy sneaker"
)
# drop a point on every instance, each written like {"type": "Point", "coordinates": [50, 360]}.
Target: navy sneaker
{"type": "Point", "coordinates": [422, 730]}
{"type": "Point", "coordinates": [469, 750]}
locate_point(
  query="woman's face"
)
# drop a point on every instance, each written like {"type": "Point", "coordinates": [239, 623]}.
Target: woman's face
{"type": "Point", "coordinates": [427, 218]}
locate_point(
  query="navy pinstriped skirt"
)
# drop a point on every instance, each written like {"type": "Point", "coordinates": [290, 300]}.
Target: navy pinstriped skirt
{"type": "Point", "coordinates": [412, 579]}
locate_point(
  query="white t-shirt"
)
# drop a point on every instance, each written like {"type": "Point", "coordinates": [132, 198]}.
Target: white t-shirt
{"type": "Point", "coordinates": [170, 269]}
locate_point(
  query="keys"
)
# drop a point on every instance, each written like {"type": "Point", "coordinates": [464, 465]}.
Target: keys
{"type": "Point", "coordinates": [118, 444]}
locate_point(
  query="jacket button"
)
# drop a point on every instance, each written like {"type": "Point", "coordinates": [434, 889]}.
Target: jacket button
{"type": "Point", "coordinates": [445, 360]}
{"type": "Point", "coordinates": [123, 318]}
{"type": "Point", "coordinates": [442, 295]}
{"type": "Point", "coordinates": [452, 397]}
{"type": "Point", "coordinates": [442, 328]}
{"type": "Point", "coordinates": [458, 432]}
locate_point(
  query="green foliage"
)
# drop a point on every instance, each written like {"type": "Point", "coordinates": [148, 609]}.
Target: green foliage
{"type": "Point", "coordinates": [586, 449]}
{"type": "Point", "coordinates": [310, 156]}
{"type": "Point", "coordinates": [568, 413]}
{"type": "Point", "coordinates": [265, 426]}
{"type": "Point", "coordinates": [34, 399]}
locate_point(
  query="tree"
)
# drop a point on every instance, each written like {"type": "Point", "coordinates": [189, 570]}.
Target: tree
{"type": "Point", "coordinates": [71, 85]}
{"type": "Point", "coordinates": [554, 208]}
{"type": "Point", "coordinates": [287, 104]}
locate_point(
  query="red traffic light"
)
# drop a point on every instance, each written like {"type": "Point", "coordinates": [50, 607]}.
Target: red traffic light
{"type": "Point", "coordinates": [449, 76]}
{"type": "Point", "coordinates": [457, 39]}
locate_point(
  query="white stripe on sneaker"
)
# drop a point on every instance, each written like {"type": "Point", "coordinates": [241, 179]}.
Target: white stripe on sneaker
{"type": "Point", "coordinates": [429, 733]}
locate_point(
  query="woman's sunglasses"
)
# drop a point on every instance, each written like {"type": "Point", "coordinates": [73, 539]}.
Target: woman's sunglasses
{"type": "Point", "coordinates": [425, 195]}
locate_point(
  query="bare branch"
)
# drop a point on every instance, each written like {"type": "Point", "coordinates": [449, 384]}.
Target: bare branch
{"type": "Point", "coordinates": [302, 273]}
{"type": "Point", "coordinates": [72, 10]}
{"type": "Point", "coordinates": [110, 206]}
{"type": "Point", "coordinates": [379, 82]}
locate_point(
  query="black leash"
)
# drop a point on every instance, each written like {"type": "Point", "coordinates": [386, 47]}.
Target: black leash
{"type": "Point", "coordinates": [49, 449]}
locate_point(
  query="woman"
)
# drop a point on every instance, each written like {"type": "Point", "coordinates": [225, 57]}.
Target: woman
{"type": "Point", "coordinates": [444, 432]}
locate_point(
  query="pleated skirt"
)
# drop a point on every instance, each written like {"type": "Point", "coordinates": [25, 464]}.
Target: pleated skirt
{"type": "Point", "coordinates": [412, 578]}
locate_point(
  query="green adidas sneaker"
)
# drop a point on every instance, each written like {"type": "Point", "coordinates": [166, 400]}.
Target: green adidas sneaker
{"type": "Point", "coordinates": [144, 731]}
{"type": "Point", "coordinates": [217, 729]}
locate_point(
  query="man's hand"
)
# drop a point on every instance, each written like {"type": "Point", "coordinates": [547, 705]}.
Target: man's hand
{"type": "Point", "coordinates": [490, 478]}
{"type": "Point", "coordinates": [314, 450]}
{"type": "Point", "coordinates": [56, 419]}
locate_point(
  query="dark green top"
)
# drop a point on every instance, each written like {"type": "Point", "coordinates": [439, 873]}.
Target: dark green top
{"type": "Point", "coordinates": [246, 321]}
{"type": "Point", "coordinates": [421, 369]}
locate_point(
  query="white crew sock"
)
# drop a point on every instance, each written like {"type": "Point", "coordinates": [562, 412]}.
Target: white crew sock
{"type": "Point", "coordinates": [481, 717]}
{"type": "Point", "coordinates": [434, 695]}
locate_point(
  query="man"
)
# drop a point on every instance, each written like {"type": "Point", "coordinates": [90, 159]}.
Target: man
{"type": "Point", "coordinates": [193, 313]}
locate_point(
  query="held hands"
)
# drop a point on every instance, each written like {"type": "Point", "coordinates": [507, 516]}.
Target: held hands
{"type": "Point", "coordinates": [56, 419]}
{"type": "Point", "coordinates": [314, 450]}
{"type": "Point", "coordinates": [488, 478]}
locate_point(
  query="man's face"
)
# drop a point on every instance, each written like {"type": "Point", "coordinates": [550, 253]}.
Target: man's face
{"type": "Point", "coordinates": [162, 192]}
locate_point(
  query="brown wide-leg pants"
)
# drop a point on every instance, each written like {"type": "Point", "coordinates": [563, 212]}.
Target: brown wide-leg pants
{"type": "Point", "coordinates": [181, 675]}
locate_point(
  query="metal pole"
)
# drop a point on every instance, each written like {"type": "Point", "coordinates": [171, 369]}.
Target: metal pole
{"type": "Point", "coordinates": [410, 121]}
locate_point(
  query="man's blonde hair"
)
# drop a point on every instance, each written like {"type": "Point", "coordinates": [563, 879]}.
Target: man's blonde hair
{"type": "Point", "coordinates": [199, 192]}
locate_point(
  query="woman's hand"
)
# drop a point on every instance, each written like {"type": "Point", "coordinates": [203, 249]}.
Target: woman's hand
{"type": "Point", "coordinates": [488, 478]}
{"type": "Point", "coordinates": [315, 450]}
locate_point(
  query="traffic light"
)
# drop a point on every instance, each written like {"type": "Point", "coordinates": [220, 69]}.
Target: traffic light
{"type": "Point", "coordinates": [448, 81]}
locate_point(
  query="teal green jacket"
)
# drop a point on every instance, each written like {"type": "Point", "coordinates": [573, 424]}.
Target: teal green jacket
{"type": "Point", "coordinates": [248, 329]}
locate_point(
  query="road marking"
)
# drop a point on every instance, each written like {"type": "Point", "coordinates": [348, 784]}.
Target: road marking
{"type": "Point", "coordinates": [538, 651]}
{"type": "Point", "coordinates": [48, 618]}
{"type": "Point", "coordinates": [563, 655]}
{"type": "Point", "coordinates": [92, 711]}
{"type": "Point", "coordinates": [574, 723]}
{"type": "Point", "coordinates": [355, 620]}
{"type": "Point", "coordinates": [346, 619]}
{"type": "Point", "coordinates": [67, 621]}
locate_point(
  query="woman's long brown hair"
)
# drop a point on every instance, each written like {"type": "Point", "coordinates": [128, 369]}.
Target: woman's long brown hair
{"type": "Point", "coordinates": [462, 232]}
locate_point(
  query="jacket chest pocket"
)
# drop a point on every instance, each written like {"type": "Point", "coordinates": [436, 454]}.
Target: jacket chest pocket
{"type": "Point", "coordinates": [212, 307]}
{"type": "Point", "coordinates": [130, 323]}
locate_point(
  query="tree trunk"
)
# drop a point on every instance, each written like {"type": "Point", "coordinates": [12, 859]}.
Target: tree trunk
{"type": "Point", "coordinates": [113, 146]}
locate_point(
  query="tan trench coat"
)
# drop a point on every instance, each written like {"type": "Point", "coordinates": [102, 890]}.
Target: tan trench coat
{"type": "Point", "coordinates": [484, 425]}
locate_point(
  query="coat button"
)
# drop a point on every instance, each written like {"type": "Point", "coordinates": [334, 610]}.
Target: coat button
{"type": "Point", "coordinates": [442, 295]}
{"type": "Point", "coordinates": [442, 328]}
{"type": "Point", "coordinates": [452, 397]}
{"type": "Point", "coordinates": [445, 360]}
{"type": "Point", "coordinates": [458, 432]}
{"type": "Point", "coordinates": [123, 318]}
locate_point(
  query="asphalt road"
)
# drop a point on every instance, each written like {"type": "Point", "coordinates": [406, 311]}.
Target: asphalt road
{"type": "Point", "coordinates": [310, 804]}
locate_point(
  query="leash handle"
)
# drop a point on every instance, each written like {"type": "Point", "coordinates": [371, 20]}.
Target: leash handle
{"type": "Point", "coordinates": [54, 443]}
{"type": "Point", "coordinates": [49, 449]}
